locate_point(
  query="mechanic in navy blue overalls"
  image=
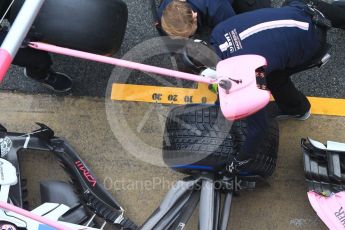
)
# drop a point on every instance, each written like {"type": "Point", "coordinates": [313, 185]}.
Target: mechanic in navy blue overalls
{"type": "Point", "coordinates": [287, 37]}
{"type": "Point", "coordinates": [291, 38]}
{"type": "Point", "coordinates": [206, 14]}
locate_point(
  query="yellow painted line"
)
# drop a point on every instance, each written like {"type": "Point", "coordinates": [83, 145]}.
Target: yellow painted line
{"type": "Point", "coordinates": [163, 95]}
{"type": "Point", "coordinates": [172, 95]}
{"type": "Point", "coordinates": [327, 106]}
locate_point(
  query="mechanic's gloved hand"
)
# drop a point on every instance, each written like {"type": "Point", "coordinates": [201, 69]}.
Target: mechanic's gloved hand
{"type": "Point", "coordinates": [209, 73]}
{"type": "Point", "coordinates": [201, 42]}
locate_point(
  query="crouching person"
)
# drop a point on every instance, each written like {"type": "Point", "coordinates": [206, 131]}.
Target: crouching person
{"type": "Point", "coordinates": [291, 38]}
{"type": "Point", "coordinates": [185, 18]}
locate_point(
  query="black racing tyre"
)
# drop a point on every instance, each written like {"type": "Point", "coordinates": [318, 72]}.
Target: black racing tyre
{"type": "Point", "coordinates": [264, 160]}
{"type": "Point", "coordinates": [199, 138]}
{"type": "Point", "coordinates": [96, 26]}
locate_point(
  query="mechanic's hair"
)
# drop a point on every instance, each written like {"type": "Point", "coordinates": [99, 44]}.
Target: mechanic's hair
{"type": "Point", "coordinates": [177, 19]}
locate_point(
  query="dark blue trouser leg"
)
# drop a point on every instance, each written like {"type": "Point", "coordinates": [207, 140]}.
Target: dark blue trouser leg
{"type": "Point", "coordinates": [289, 99]}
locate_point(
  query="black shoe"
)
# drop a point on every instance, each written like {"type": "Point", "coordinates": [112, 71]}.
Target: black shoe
{"type": "Point", "coordinates": [275, 112]}
{"type": "Point", "coordinates": [55, 81]}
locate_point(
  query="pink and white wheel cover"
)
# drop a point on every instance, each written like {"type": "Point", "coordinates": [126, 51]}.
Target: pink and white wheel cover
{"type": "Point", "coordinates": [244, 98]}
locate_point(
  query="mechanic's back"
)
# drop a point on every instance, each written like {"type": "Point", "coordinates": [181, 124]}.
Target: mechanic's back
{"type": "Point", "coordinates": [286, 37]}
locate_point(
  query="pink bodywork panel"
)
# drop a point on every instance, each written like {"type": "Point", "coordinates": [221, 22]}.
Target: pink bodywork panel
{"type": "Point", "coordinates": [244, 98]}
{"type": "Point", "coordinates": [5, 62]}
{"type": "Point", "coordinates": [331, 210]}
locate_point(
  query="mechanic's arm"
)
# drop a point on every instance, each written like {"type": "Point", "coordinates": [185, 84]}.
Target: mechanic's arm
{"type": "Point", "coordinates": [216, 41]}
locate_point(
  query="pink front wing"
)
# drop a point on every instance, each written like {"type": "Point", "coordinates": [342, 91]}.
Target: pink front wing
{"type": "Point", "coordinates": [244, 97]}
{"type": "Point", "coordinates": [331, 210]}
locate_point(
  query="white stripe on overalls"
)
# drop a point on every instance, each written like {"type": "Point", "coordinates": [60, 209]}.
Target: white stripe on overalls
{"type": "Point", "coordinates": [272, 25]}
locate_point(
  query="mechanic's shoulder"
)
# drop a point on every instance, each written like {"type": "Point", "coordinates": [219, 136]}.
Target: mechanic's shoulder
{"type": "Point", "coordinates": [224, 25]}
{"type": "Point", "coordinates": [217, 31]}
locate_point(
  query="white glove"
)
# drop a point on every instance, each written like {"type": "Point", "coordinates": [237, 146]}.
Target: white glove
{"type": "Point", "coordinates": [209, 73]}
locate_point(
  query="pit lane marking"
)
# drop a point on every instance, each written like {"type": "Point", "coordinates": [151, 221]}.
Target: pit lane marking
{"type": "Point", "coordinates": [181, 96]}
{"type": "Point", "coordinates": [327, 106]}
{"type": "Point", "coordinates": [163, 95]}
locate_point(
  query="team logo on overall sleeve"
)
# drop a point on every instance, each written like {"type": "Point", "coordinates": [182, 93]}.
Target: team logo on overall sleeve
{"type": "Point", "coordinates": [232, 43]}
